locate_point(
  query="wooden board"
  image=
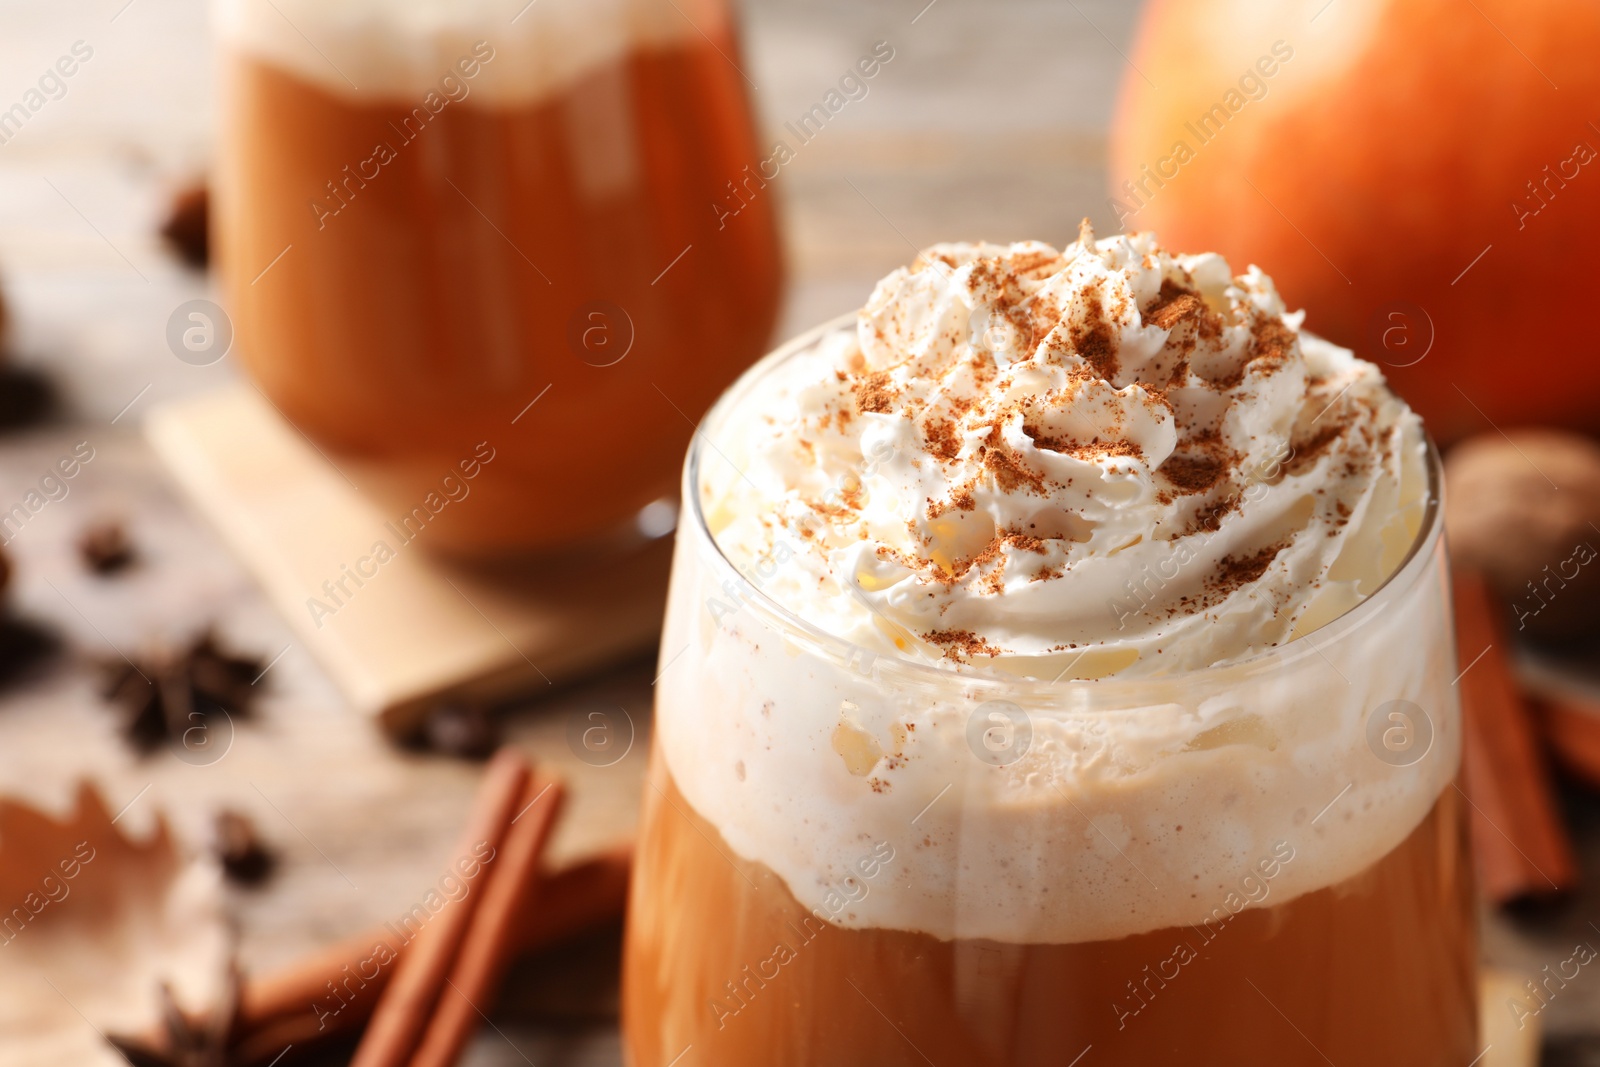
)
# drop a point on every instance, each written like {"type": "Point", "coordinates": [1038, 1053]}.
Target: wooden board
{"type": "Point", "coordinates": [423, 628]}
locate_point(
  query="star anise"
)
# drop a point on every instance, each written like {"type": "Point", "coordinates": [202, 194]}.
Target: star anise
{"type": "Point", "coordinates": [26, 397]}
{"type": "Point", "coordinates": [189, 1042]}
{"type": "Point", "coordinates": [173, 692]}
{"type": "Point", "coordinates": [25, 646]}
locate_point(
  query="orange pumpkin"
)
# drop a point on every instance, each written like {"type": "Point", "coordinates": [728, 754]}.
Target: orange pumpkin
{"type": "Point", "coordinates": [1422, 176]}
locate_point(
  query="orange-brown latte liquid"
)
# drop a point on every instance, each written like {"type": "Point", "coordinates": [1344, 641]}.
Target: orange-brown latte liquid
{"type": "Point", "coordinates": [1378, 971]}
{"type": "Point", "coordinates": [404, 282]}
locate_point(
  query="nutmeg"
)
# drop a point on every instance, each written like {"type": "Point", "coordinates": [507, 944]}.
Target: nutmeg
{"type": "Point", "coordinates": [1524, 509]}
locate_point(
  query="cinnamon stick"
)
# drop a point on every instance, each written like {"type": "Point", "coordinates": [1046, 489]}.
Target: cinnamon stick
{"type": "Point", "coordinates": [577, 899]}
{"type": "Point", "coordinates": [295, 1000]}
{"type": "Point", "coordinates": [290, 1006]}
{"type": "Point", "coordinates": [419, 975]}
{"type": "Point", "coordinates": [1521, 847]}
{"type": "Point", "coordinates": [487, 947]}
{"type": "Point", "coordinates": [1571, 726]}
{"type": "Point", "coordinates": [299, 992]}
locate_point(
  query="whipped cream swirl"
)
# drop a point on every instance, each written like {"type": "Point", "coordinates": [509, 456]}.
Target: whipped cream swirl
{"type": "Point", "coordinates": [1108, 459]}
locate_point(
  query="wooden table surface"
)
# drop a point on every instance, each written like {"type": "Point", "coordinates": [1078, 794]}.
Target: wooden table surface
{"type": "Point", "coordinates": [989, 122]}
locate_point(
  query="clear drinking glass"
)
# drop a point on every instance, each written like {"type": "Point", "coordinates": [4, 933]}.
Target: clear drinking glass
{"type": "Point", "coordinates": [856, 859]}
{"type": "Point", "coordinates": [480, 248]}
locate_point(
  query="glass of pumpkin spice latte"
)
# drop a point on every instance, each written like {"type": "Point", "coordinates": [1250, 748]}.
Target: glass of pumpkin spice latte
{"type": "Point", "coordinates": [1057, 670]}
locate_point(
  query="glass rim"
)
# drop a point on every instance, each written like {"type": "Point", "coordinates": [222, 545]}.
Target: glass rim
{"type": "Point", "coordinates": [1401, 579]}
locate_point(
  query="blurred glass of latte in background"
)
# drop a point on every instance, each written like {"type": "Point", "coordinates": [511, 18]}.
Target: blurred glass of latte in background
{"type": "Point", "coordinates": [452, 229]}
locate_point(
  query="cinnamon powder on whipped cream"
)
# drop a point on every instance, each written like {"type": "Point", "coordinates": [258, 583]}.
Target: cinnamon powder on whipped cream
{"type": "Point", "coordinates": [1021, 453]}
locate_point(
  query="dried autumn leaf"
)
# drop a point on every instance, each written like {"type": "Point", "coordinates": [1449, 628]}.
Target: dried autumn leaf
{"type": "Point", "coordinates": [91, 923]}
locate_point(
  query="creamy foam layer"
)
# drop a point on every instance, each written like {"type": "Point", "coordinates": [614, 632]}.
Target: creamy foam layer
{"type": "Point", "coordinates": [401, 49]}
{"type": "Point", "coordinates": [1057, 390]}
{"type": "Point", "coordinates": [1104, 460]}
